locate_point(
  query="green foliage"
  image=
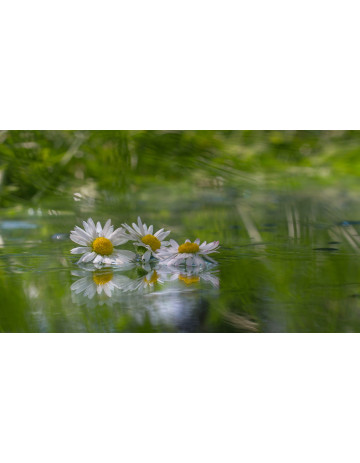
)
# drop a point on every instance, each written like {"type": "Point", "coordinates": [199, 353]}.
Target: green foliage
{"type": "Point", "coordinates": [34, 164]}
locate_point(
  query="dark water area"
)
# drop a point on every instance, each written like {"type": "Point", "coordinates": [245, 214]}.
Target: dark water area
{"type": "Point", "coordinates": [288, 226]}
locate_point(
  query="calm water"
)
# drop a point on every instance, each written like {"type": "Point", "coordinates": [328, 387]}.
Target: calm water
{"type": "Point", "coordinates": [289, 261]}
{"type": "Point", "coordinates": [289, 230]}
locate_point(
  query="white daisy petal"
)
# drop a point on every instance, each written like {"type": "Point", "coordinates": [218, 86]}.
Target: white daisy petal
{"type": "Point", "coordinates": [204, 249]}
{"type": "Point", "coordinates": [137, 229]}
{"type": "Point", "coordinates": [118, 232]}
{"type": "Point", "coordinates": [141, 228]}
{"type": "Point", "coordinates": [80, 250]}
{"type": "Point", "coordinates": [106, 228]}
{"type": "Point", "coordinates": [78, 240]}
{"type": "Point", "coordinates": [213, 244]}
{"type": "Point", "coordinates": [119, 240]}
{"type": "Point", "coordinates": [129, 255]}
{"type": "Point", "coordinates": [82, 233]}
{"type": "Point", "coordinates": [98, 259]}
{"type": "Point", "coordinates": [83, 257]}
{"type": "Point", "coordinates": [87, 227]}
{"type": "Point", "coordinates": [89, 230]}
{"type": "Point", "coordinates": [91, 224]}
{"type": "Point", "coordinates": [210, 247]}
{"type": "Point", "coordinates": [109, 232]}
{"type": "Point", "coordinates": [134, 235]}
{"type": "Point", "coordinates": [163, 235]}
{"type": "Point", "coordinates": [147, 256]}
{"type": "Point", "coordinates": [88, 257]}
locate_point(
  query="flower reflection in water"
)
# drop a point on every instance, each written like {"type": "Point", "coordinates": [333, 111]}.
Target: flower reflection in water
{"type": "Point", "coordinates": [164, 296]}
{"type": "Point", "coordinates": [194, 276]}
{"type": "Point", "coordinates": [146, 283]}
{"type": "Point", "coordinates": [182, 303]}
{"type": "Point", "coordinates": [102, 282]}
{"type": "Point", "coordinates": [109, 281]}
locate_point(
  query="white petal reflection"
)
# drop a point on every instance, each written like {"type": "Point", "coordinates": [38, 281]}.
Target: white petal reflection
{"type": "Point", "coordinates": [163, 297]}
{"type": "Point", "coordinates": [193, 276]}
{"type": "Point", "coordinates": [146, 283]}
{"type": "Point", "coordinates": [99, 284]}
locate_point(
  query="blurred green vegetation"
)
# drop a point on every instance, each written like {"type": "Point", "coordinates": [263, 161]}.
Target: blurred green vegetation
{"type": "Point", "coordinates": [34, 164]}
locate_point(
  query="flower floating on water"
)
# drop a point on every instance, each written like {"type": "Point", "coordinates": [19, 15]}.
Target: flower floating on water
{"type": "Point", "coordinates": [144, 239]}
{"type": "Point", "coordinates": [191, 254]}
{"type": "Point", "coordinates": [97, 244]}
{"type": "Point", "coordinates": [98, 281]}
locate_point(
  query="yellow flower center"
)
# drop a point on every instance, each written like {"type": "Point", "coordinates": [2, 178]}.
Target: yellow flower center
{"type": "Point", "coordinates": [189, 280]}
{"type": "Point", "coordinates": [100, 278]}
{"type": "Point", "coordinates": [102, 246]}
{"type": "Point", "coordinates": [153, 279]}
{"type": "Point", "coordinates": [188, 248]}
{"type": "Point", "coordinates": [151, 241]}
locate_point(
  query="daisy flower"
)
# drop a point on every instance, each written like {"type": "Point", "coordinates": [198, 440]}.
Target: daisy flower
{"type": "Point", "coordinates": [97, 282]}
{"type": "Point", "coordinates": [143, 237]}
{"type": "Point", "coordinates": [97, 244]}
{"type": "Point", "coordinates": [188, 253]}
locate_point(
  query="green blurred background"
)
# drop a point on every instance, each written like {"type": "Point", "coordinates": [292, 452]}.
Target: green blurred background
{"type": "Point", "coordinates": [35, 164]}
{"type": "Point", "coordinates": [284, 205]}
